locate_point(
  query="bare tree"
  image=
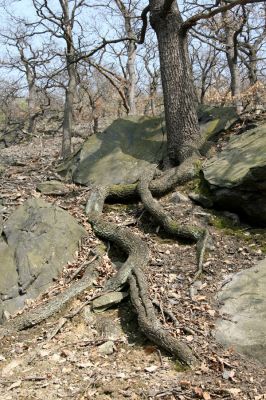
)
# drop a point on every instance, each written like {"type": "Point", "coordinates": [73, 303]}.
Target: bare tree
{"type": "Point", "coordinates": [180, 109]}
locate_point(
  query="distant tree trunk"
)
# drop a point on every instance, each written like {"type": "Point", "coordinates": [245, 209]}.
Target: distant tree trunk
{"type": "Point", "coordinates": [179, 94]}
{"type": "Point", "coordinates": [32, 101]}
{"type": "Point", "coordinates": [68, 107]}
{"type": "Point", "coordinates": [232, 60]}
{"type": "Point", "coordinates": [131, 72]}
{"type": "Point", "coordinates": [128, 14]}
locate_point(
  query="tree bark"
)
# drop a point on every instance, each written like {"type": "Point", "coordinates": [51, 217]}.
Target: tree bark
{"type": "Point", "coordinates": [32, 100]}
{"type": "Point", "coordinates": [68, 107]}
{"type": "Point", "coordinates": [232, 58]}
{"type": "Point", "coordinates": [131, 84]}
{"type": "Point", "coordinates": [179, 95]}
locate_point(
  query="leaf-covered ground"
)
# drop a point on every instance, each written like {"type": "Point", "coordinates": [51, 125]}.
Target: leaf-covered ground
{"type": "Point", "coordinates": [48, 363]}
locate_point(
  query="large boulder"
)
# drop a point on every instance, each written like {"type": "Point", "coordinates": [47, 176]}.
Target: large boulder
{"type": "Point", "coordinates": [243, 307]}
{"type": "Point", "coordinates": [37, 240]}
{"type": "Point", "coordinates": [120, 153]}
{"type": "Point", "coordinates": [237, 176]}
{"type": "Point", "coordinates": [129, 145]}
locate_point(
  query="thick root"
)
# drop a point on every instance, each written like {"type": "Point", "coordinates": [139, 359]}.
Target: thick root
{"type": "Point", "coordinates": [150, 325]}
{"type": "Point", "coordinates": [138, 256]}
{"type": "Point", "coordinates": [159, 215]}
{"type": "Point", "coordinates": [159, 186]}
{"type": "Point", "coordinates": [34, 317]}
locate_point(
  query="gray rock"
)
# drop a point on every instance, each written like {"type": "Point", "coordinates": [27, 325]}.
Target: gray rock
{"type": "Point", "coordinates": [243, 302]}
{"type": "Point", "coordinates": [119, 154]}
{"type": "Point", "coordinates": [106, 348]}
{"type": "Point", "coordinates": [108, 300]}
{"type": "Point", "coordinates": [213, 120]}
{"type": "Point", "coordinates": [129, 145]}
{"type": "Point", "coordinates": [108, 326]}
{"type": "Point", "coordinates": [39, 239]}
{"type": "Point", "coordinates": [52, 188]}
{"type": "Point", "coordinates": [201, 199]}
{"type": "Point", "coordinates": [178, 197]}
{"type": "Point", "coordinates": [237, 175]}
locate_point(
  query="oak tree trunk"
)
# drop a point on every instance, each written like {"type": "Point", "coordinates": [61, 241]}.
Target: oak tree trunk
{"type": "Point", "coordinates": [232, 60]}
{"type": "Point", "coordinates": [131, 79]}
{"type": "Point", "coordinates": [68, 107]}
{"type": "Point", "coordinates": [179, 95]}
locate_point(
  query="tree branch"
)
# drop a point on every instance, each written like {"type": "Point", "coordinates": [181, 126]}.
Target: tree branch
{"type": "Point", "coordinates": [192, 21]}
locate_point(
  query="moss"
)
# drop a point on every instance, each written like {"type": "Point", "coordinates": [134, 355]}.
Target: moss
{"type": "Point", "coordinates": [180, 367]}
{"type": "Point", "coordinates": [197, 185]}
{"type": "Point", "coordinates": [118, 207]}
{"type": "Point", "coordinates": [250, 236]}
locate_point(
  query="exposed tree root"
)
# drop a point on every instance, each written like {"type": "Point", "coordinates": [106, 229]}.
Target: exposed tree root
{"type": "Point", "coordinates": [137, 251]}
{"type": "Point", "coordinates": [159, 214]}
{"type": "Point", "coordinates": [161, 185]}
{"type": "Point", "coordinates": [33, 317]}
{"type": "Point", "coordinates": [132, 271]}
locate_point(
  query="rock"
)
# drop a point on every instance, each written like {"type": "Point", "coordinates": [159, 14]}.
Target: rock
{"type": "Point", "coordinates": [38, 240]}
{"type": "Point", "coordinates": [214, 120]}
{"type": "Point", "coordinates": [52, 188]}
{"type": "Point", "coordinates": [201, 199]}
{"type": "Point", "coordinates": [108, 300]}
{"type": "Point", "coordinates": [237, 176]}
{"type": "Point", "coordinates": [106, 348]}
{"type": "Point", "coordinates": [243, 302]}
{"type": "Point", "coordinates": [89, 316]}
{"type": "Point", "coordinates": [178, 197]}
{"type": "Point", "coordinates": [129, 145]}
{"type": "Point", "coordinates": [108, 326]}
{"type": "Point", "coordinates": [234, 218]}
{"type": "Point", "coordinates": [119, 154]}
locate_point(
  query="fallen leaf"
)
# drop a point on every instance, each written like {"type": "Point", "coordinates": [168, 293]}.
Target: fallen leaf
{"type": "Point", "coordinates": [234, 391]}
{"type": "Point", "coordinates": [152, 368]}
{"type": "Point", "coordinates": [228, 374]}
{"type": "Point", "coordinates": [15, 385]}
{"type": "Point", "coordinates": [8, 369]}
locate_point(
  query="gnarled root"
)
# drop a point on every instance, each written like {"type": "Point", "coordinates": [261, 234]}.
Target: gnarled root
{"type": "Point", "coordinates": [132, 269]}
{"type": "Point", "coordinates": [160, 185]}
{"type": "Point", "coordinates": [132, 272]}
{"type": "Point", "coordinates": [34, 317]}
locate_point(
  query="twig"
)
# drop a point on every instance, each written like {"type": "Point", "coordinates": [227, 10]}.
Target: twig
{"type": "Point", "coordinates": [201, 249]}
{"type": "Point", "coordinates": [85, 264]}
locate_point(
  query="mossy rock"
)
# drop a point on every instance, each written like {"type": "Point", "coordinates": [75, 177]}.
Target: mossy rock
{"type": "Point", "coordinates": [119, 154]}
{"type": "Point", "coordinates": [130, 145]}
{"type": "Point", "coordinates": [244, 305]}
{"type": "Point", "coordinates": [236, 176]}
{"type": "Point", "coordinates": [214, 120]}
{"type": "Point", "coordinates": [38, 240]}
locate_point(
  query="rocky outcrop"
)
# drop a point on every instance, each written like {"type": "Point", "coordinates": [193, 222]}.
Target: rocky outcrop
{"type": "Point", "coordinates": [237, 176]}
{"type": "Point", "coordinates": [244, 309]}
{"type": "Point", "coordinates": [121, 153]}
{"type": "Point", "coordinates": [37, 240]}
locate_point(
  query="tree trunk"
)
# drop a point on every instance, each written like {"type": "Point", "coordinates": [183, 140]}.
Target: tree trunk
{"type": "Point", "coordinates": [32, 99]}
{"type": "Point", "coordinates": [232, 57]}
{"type": "Point", "coordinates": [131, 85]}
{"type": "Point", "coordinates": [68, 108]}
{"type": "Point", "coordinates": [180, 110]}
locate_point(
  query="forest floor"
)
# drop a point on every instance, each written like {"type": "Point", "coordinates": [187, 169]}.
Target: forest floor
{"type": "Point", "coordinates": [71, 364]}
